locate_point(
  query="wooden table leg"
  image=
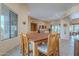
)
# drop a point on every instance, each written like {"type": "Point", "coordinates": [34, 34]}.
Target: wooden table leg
{"type": "Point", "coordinates": [35, 51]}
{"type": "Point", "coordinates": [34, 48]}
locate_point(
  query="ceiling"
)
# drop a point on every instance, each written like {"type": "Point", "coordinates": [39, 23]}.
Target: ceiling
{"type": "Point", "coordinates": [48, 11]}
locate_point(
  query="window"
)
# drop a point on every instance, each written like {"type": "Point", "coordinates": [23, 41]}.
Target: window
{"type": "Point", "coordinates": [13, 23]}
{"type": "Point", "coordinates": [74, 28]}
{"type": "Point", "coordinates": [9, 23]}
{"type": "Point", "coordinates": [56, 28]}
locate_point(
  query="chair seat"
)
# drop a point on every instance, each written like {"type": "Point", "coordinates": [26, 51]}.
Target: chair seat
{"type": "Point", "coordinates": [43, 48]}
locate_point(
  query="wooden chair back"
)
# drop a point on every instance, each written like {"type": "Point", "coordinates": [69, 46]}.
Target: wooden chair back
{"type": "Point", "coordinates": [57, 44]}
{"type": "Point", "coordinates": [53, 42]}
{"type": "Point", "coordinates": [21, 44]}
{"type": "Point", "coordinates": [24, 44]}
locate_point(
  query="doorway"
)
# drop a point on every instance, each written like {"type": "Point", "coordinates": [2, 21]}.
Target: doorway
{"type": "Point", "coordinates": [33, 27]}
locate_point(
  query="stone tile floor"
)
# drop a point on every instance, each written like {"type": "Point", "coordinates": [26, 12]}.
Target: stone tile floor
{"type": "Point", "coordinates": [66, 49]}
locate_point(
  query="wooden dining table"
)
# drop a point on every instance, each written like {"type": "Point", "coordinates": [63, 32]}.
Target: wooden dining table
{"type": "Point", "coordinates": [35, 38]}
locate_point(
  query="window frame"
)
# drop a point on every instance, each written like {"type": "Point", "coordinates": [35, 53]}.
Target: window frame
{"type": "Point", "coordinates": [9, 36]}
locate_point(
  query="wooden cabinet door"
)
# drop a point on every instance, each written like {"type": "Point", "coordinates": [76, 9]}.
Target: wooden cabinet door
{"type": "Point", "coordinates": [33, 27]}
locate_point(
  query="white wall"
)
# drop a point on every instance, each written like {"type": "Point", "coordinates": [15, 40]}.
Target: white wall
{"type": "Point", "coordinates": [21, 10]}
{"type": "Point", "coordinates": [55, 22]}
{"type": "Point", "coordinates": [74, 21]}
{"type": "Point", "coordinates": [0, 8]}
{"type": "Point", "coordinates": [38, 22]}
{"type": "Point", "coordinates": [64, 30]}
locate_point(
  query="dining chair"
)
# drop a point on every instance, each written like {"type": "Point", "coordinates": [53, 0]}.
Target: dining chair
{"type": "Point", "coordinates": [51, 48]}
{"type": "Point", "coordinates": [21, 43]}
{"type": "Point", "coordinates": [26, 47]}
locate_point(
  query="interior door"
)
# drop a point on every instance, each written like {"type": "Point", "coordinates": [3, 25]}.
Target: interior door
{"type": "Point", "coordinates": [33, 27]}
